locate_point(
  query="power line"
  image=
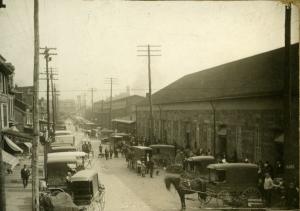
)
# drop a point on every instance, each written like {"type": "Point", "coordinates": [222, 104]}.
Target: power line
{"type": "Point", "coordinates": [147, 51]}
{"type": "Point", "coordinates": [111, 82]}
{"type": "Point", "coordinates": [47, 57]}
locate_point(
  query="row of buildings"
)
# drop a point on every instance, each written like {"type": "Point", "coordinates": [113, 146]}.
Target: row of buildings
{"type": "Point", "coordinates": [16, 113]}
{"type": "Point", "coordinates": [237, 110]}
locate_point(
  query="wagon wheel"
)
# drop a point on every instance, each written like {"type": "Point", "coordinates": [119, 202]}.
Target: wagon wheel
{"type": "Point", "coordinates": [91, 207]}
{"type": "Point", "coordinates": [223, 198]}
{"type": "Point", "coordinates": [250, 193]}
{"type": "Point", "coordinates": [102, 201]}
{"type": "Point", "coordinates": [204, 198]}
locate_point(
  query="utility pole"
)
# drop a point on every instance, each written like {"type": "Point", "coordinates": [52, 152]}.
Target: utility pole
{"type": "Point", "coordinates": [36, 130]}
{"type": "Point", "coordinates": [2, 178]}
{"type": "Point", "coordinates": [111, 82]}
{"type": "Point", "coordinates": [2, 169]}
{"type": "Point", "coordinates": [53, 102]}
{"type": "Point", "coordinates": [149, 49]}
{"type": "Point", "coordinates": [47, 57]}
{"type": "Point", "coordinates": [289, 160]}
{"type": "Point", "coordinates": [92, 96]}
{"type": "Point", "coordinates": [110, 105]}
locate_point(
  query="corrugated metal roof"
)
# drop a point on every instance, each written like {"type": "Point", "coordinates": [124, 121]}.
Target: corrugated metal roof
{"type": "Point", "coordinates": [258, 75]}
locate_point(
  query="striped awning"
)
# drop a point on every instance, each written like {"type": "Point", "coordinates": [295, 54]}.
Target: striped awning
{"type": "Point", "coordinates": [9, 159]}
{"type": "Point", "coordinates": [12, 145]}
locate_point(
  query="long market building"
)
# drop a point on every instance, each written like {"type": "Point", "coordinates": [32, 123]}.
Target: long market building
{"type": "Point", "coordinates": [236, 109]}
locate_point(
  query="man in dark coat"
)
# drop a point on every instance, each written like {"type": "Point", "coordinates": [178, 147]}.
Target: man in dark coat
{"type": "Point", "coordinates": [151, 167]}
{"type": "Point", "coordinates": [25, 173]}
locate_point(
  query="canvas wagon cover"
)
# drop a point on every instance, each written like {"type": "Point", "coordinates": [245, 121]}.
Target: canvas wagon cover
{"type": "Point", "coordinates": [63, 202]}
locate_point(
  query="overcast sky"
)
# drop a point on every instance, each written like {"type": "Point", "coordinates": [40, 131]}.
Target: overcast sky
{"type": "Point", "coordinates": [98, 39]}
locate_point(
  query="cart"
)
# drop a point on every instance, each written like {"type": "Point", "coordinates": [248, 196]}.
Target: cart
{"type": "Point", "coordinates": [230, 184]}
{"type": "Point", "coordinates": [88, 193]}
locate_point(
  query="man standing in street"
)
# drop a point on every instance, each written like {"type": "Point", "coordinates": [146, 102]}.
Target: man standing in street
{"type": "Point", "coordinates": [25, 173]}
{"type": "Point", "coordinates": [151, 167]}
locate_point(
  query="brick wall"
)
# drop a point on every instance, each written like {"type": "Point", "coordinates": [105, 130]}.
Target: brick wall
{"type": "Point", "coordinates": [251, 126]}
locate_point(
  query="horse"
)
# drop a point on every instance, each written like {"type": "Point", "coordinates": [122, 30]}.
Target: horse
{"type": "Point", "coordinates": [185, 186]}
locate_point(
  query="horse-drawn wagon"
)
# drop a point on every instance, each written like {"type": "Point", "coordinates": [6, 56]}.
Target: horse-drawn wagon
{"type": "Point", "coordinates": [224, 184]}
{"type": "Point", "coordinates": [163, 155]}
{"type": "Point", "coordinates": [138, 154]}
{"type": "Point", "coordinates": [233, 184]}
{"type": "Point", "coordinates": [84, 193]}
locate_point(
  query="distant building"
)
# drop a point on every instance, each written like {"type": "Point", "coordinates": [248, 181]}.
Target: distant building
{"type": "Point", "coordinates": [67, 106]}
{"type": "Point", "coordinates": [236, 109]}
{"type": "Point", "coordinates": [123, 112]}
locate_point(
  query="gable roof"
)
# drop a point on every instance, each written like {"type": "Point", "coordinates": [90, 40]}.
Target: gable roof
{"type": "Point", "coordinates": [257, 75]}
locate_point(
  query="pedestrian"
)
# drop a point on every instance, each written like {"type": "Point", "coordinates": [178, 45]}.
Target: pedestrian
{"type": "Point", "coordinates": [90, 148]}
{"type": "Point", "coordinates": [100, 148]}
{"type": "Point", "coordinates": [111, 153]}
{"type": "Point", "coordinates": [179, 158]}
{"type": "Point", "coordinates": [261, 179]}
{"type": "Point", "coordinates": [147, 162]}
{"type": "Point", "coordinates": [68, 180]}
{"type": "Point", "coordinates": [268, 186]}
{"type": "Point", "coordinates": [151, 167]}
{"type": "Point", "coordinates": [106, 153]}
{"type": "Point", "coordinates": [25, 173]}
{"type": "Point", "coordinates": [268, 168]}
{"type": "Point", "coordinates": [223, 160]}
{"type": "Point", "coordinates": [292, 194]}
{"type": "Point", "coordinates": [278, 169]}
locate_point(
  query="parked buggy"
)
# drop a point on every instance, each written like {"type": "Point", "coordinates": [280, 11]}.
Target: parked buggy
{"type": "Point", "coordinates": [138, 154]}
{"type": "Point", "coordinates": [85, 193]}
{"type": "Point", "coordinates": [228, 184]}
{"type": "Point", "coordinates": [163, 155]}
{"type": "Point", "coordinates": [231, 184]}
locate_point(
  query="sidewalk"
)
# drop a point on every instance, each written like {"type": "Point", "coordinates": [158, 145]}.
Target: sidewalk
{"type": "Point", "coordinates": [18, 198]}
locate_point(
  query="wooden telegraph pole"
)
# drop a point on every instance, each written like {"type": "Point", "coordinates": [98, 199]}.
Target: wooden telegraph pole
{"type": "Point", "coordinates": [2, 170]}
{"type": "Point", "coordinates": [47, 57]}
{"type": "Point", "coordinates": [36, 131]}
{"type": "Point", "coordinates": [110, 81]}
{"type": "Point", "coordinates": [147, 49]}
{"type": "Point", "coordinates": [53, 102]}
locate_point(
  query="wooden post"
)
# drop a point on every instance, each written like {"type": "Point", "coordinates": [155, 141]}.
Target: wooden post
{"type": "Point", "coordinates": [110, 105]}
{"type": "Point", "coordinates": [2, 178]}
{"type": "Point", "coordinates": [53, 104]}
{"type": "Point", "coordinates": [150, 96]}
{"type": "Point", "coordinates": [36, 131]}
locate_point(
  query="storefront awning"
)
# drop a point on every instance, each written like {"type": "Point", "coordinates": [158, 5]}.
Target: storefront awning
{"type": "Point", "coordinates": [123, 121]}
{"type": "Point", "coordinates": [9, 159]}
{"type": "Point", "coordinates": [18, 134]}
{"type": "Point", "coordinates": [28, 145]}
{"type": "Point", "coordinates": [12, 145]}
{"type": "Point", "coordinates": [279, 139]}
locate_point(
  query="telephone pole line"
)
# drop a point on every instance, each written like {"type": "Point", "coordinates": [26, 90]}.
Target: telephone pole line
{"type": "Point", "coordinates": [111, 82]}
{"type": "Point", "coordinates": [36, 131]}
{"type": "Point", "coordinates": [53, 102]}
{"type": "Point", "coordinates": [2, 167]}
{"type": "Point", "coordinates": [92, 95]}
{"type": "Point", "coordinates": [47, 57]}
{"type": "Point", "coordinates": [149, 51]}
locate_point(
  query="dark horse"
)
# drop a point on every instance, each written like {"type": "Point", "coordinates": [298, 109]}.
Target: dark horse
{"type": "Point", "coordinates": [185, 186]}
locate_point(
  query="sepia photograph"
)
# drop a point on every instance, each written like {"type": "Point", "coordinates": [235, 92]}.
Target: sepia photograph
{"type": "Point", "coordinates": [149, 105]}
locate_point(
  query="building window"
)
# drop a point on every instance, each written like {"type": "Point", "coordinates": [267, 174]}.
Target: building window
{"type": "Point", "coordinates": [4, 115]}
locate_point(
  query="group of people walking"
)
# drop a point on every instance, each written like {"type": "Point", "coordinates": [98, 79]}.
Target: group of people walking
{"type": "Point", "coordinates": [108, 153]}
{"type": "Point", "coordinates": [87, 148]}
{"type": "Point", "coordinates": [272, 187]}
